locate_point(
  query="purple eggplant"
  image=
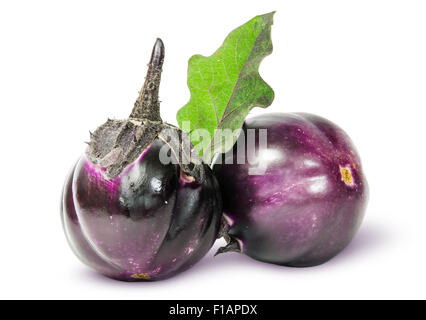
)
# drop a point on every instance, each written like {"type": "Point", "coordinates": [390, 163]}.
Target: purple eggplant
{"type": "Point", "coordinates": [307, 204]}
{"type": "Point", "coordinates": [128, 214]}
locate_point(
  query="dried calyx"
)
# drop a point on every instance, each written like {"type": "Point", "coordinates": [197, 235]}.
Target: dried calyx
{"type": "Point", "coordinates": [118, 143]}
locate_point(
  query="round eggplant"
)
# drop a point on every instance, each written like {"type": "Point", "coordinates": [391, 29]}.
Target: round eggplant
{"type": "Point", "coordinates": [309, 201]}
{"type": "Point", "coordinates": [129, 214]}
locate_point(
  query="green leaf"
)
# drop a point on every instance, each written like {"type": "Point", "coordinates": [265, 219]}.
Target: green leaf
{"type": "Point", "coordinates": [226, 86]}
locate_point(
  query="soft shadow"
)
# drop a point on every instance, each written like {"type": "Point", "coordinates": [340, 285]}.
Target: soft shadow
{"type": "Point", "coordinates": [369, 238]}
{"type": "Point", "coordinates": [227, 263]}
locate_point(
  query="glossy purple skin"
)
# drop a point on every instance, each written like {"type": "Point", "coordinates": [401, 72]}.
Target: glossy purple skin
{"type": "Point", "coordinates": [149, 223]}
{"type": "Point", "coordinates": [308, 204]}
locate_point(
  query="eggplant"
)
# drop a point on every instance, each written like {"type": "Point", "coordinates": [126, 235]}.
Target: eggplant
{"type": "Point", "coordinates": [126, 211]}
{"type": "Point", "coordinates": [307, 204]}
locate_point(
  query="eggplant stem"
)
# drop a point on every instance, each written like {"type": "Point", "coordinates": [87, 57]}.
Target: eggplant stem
{"type": "Point", "coordinates": [232, 246]}
{"type": "Point", "coordinates": [147, 105]}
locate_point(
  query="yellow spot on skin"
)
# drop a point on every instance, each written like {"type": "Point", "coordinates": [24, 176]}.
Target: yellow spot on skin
{"type": "Point", "coordinates": [346, 175]}
{"type": "Point", "coordinates": [143, 276]}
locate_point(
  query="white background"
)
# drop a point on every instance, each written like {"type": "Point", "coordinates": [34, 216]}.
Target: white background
{"type": "Point", "coordinates": [65, 66]}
